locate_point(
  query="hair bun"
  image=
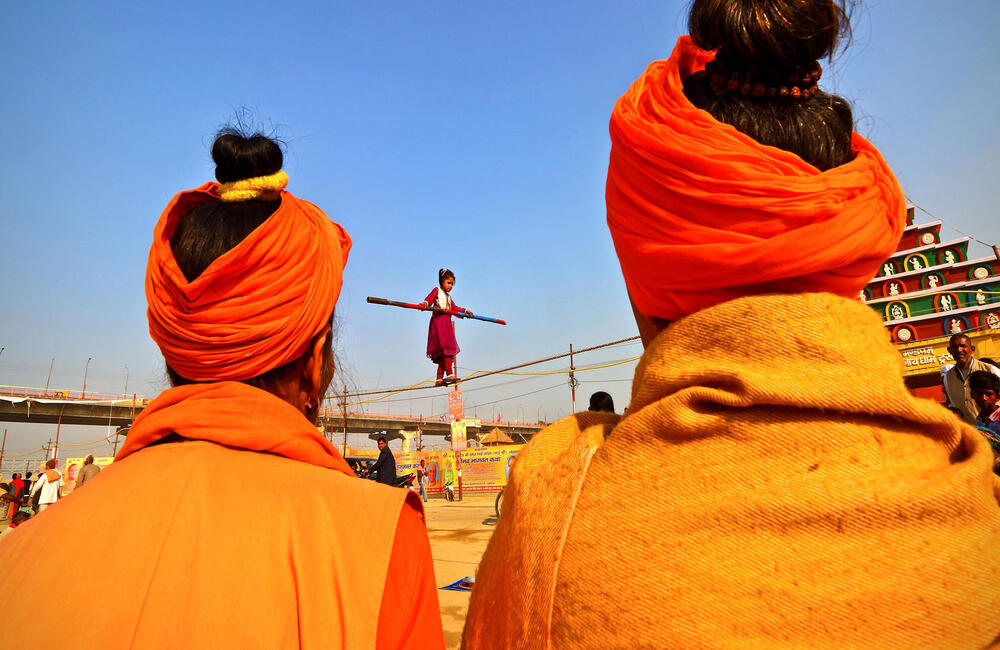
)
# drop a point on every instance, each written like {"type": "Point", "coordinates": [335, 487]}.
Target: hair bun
{"type": "Point", "coordinates": [769, 33]}
{"type": "Point", "coordinates": [238, 156]}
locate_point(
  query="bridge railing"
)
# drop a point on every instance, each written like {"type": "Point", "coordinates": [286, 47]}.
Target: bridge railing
{"type": "Point", "coordinates": [54, 393]}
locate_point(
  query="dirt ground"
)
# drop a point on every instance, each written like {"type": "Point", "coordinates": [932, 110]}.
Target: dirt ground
{"type": "Point", "coordinates": [458, 532]}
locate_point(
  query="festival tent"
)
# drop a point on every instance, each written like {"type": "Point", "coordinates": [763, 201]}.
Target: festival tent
{"type": "Point", "coordinates": [496, 437]}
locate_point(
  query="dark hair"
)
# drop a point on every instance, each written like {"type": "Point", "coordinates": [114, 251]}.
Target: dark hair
{"type": "Point", "coordinates": [601, 401]}
{"type": "Point", "coordinates": [382, 439]}
{"type": "Point", "coordinates": [51, 463]}
{"type": "Point", "coordinates": [212, 229]}
{"type": "Point", "coordinates": [955, 337]}
{"type": "Point", "coordinates": [27, 475]}
{"type": "Point", "coordinates": [984, 380]}
{"type": "Point", "coordinates": [771, 40]}
{"type": "Point", "coordinates": [444, 274]}
{"type": "Point", "coordinates": [20, 516]}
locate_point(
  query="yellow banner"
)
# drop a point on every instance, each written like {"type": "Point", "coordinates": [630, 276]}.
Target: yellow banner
{"type": "Point", "coordinates": [928, 356]}
{"type": "Point", "coordinates": [72, 469]}
{"type": "Point", "coordinates": [483, 468]}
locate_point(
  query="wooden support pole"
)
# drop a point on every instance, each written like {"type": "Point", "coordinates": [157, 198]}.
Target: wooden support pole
{"type": "Point", "coordinates": [572, 377]}
{"type": "Point", "coordinates": [344, 406]}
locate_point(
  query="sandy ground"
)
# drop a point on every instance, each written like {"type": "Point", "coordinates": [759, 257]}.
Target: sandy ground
{"type": "Point", "coordinates": [458, 532]}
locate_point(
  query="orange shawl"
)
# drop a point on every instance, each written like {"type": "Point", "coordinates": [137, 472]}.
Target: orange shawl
{"type": "Point", "coordinates": [701, 213]}
{"type": "Point", "coordinates": [229, 413]}
{"type": "Point", "coordinates": [216, 546]}
{"type": "Point", "coordinates": [254, 308]}
{"type": "Point", "coordinates": [749, 499]}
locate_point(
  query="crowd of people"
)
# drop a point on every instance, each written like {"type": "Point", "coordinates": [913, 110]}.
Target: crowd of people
{"type": "Point", "coordinates": [31, 496]}
{"type": "Point", "coordinates": [786, 489]}
{"type": "Point", "coordinates": [970, 389]}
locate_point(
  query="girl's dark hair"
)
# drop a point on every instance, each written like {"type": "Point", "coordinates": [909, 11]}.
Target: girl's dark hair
{"type": "Point", "coordinates": [774, 38]}
{"type": "Point", "coordinates": [444, 274]}
{"type": "Point", "coordinates": [212, 229]}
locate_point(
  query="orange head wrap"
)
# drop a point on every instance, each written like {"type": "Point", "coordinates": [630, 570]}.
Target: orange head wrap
{"type": "Point", "coordinates": [255, 307]}
{"type": "Point", "coordinates": [701, 213]}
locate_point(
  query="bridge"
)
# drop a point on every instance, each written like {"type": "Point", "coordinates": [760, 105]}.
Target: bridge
{"type": "Point", "coordinates": [40, 406]}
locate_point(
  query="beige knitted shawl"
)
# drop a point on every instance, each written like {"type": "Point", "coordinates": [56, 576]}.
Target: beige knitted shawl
{"type": "Point", "coordinates": [773, 485]}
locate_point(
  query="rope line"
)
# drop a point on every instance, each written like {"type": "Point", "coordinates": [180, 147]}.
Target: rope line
{"type": "Point", "coordinates": [473, 375]}
{"type": "Point", "coordinates": [478, 374]}
{"type": "Point", "coordinates": [928, 213]}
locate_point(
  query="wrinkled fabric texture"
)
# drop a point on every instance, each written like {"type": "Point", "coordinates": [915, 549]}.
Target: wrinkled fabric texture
{"type": "Point", "coordinates": [199, 548]}
{"type": "Point", "coordinates": [701, 213]}
{"type": "Point", "coordinates": [257, 306]}
{"type": "Point", "coordinates": [772, 485]}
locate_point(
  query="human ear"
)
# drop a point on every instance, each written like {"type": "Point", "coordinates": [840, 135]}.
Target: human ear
{"type": "Point", "coordinates": [648, 327]}
{"type": "Point", "coordinates": [311, 382]}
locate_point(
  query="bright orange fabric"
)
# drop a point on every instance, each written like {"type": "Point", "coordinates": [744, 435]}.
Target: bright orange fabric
{"type": "Point", "coordinates": [200, 540]}
{"type": "Point", "coordinates": [410, 616]}
{"type": "Point", "coordinates": [767, 488]}
{"type": "Point", "coordinates": [230, 413]}
{"type": "Point", "coordinates": [701, 213]}
{"type": "Point", "coordinates": [254, 308]}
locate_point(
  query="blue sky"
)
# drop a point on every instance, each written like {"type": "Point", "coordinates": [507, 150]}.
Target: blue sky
{"type": "Point", "coordinates": [467, 135]}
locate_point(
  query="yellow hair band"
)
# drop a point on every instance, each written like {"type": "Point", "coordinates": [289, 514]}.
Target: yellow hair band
{"type": "Point", "coordinates": [259, 187]}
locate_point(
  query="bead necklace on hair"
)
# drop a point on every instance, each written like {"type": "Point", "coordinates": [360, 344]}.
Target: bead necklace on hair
{"type": "Point", "coordinates": [797, 84]}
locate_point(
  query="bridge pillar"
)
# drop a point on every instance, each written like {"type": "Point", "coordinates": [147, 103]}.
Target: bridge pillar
{"type": "Point", "coordinates": [407, 437]}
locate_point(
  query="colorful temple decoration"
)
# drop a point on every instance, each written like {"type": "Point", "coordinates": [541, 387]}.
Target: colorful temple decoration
{"type": "Point", "coordinates": [928, 290]}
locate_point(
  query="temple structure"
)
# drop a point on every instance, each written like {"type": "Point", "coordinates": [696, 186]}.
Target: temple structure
{"type": "Point", "coordinates": [928, 290]}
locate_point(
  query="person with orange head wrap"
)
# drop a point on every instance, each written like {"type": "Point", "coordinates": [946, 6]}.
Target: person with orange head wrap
{"type": "Point", "coordinates": [227, 519]}
{"type": "Point", "coordinates": [772, 483]}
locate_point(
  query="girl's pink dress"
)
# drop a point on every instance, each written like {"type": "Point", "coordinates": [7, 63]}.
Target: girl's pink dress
{"type": "Point", "coordinates": [441, 341]}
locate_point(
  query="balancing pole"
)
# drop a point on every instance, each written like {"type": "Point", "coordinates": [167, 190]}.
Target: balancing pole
{"type": "Point", "coordinates": [418, 307]}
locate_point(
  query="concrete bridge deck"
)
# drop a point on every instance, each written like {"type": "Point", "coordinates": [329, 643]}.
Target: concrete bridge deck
{"type": "Point", "coordinates": [102, 410]}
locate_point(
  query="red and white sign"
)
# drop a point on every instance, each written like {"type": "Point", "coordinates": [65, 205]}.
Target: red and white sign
{"type": "Point", "coordinates": [455, 405]}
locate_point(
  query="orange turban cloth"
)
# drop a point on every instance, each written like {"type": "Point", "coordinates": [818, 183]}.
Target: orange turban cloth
{"type": "Point", "coordinates": [701, 213]}
{"type": "Point", "coordinates": [253, 309]}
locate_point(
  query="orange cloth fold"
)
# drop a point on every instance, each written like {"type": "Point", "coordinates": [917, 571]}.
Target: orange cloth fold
{"type": "Point", "coordinates": [254, 308]}
{"type": "Point", "coordinates": [229, 413]}
{"type": "Point", "coordinates": [701, 213]}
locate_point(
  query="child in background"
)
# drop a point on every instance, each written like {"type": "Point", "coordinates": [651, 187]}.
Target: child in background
{"type": "Point", "coordinates": [985, 389]}
{"type": "Point", "coordinates": [19, 518]}
{"type": "Point", "coordinates": [441, 344]}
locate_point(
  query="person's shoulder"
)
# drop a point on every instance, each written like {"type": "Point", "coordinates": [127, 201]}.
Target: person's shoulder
{"type": "Point", "coordinates": [580, 431]}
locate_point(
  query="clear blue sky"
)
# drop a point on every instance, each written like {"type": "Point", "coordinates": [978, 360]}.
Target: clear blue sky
{"type": "Point", "coordinates": [467, 135]}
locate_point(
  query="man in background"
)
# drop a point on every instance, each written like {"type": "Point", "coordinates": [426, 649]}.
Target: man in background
{"type": "Point", "coordinates": [15, 489]}
{"type": "Point", "coordinates": [89, 471]}
{"type": "Point", "coordinates": [385, 466]}
{"type": "Point", "coordinates": [956, 381]}
{"type": "Point", "coordinates": [48, 485]}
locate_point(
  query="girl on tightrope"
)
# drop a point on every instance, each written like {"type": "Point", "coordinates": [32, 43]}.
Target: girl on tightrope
{"type": "Point", "coordinates": [441, 344]}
